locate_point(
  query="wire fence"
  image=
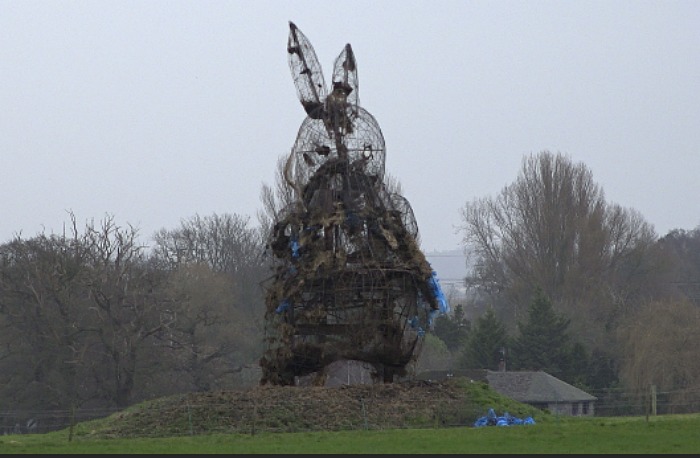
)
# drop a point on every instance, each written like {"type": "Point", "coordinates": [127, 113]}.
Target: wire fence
{"type": "Point", "coordinates": [252, 416]}
{"type": "Point", "coordinates": [648, 401]}
{"type": "Point", "coordinates": [26, 421]}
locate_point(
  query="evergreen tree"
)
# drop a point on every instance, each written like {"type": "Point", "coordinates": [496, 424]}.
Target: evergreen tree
{"type": "Point", "coordinates": [578, 369]}
{"type": "Point", "coordinates": [485, 343]}
{"type": "Point", "coordinates": [543, 343]}
{"type": "Point", "coordinates": [453, 329]}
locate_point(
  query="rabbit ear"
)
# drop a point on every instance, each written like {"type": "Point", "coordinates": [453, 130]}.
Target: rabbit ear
{"type": "Point", "coordinates": [306, 72]}
{"type": "Point", "coordinates": [345, 75]}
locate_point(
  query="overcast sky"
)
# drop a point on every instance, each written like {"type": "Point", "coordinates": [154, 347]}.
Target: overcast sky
{"type": "Point", "coordinates": [157, 111]}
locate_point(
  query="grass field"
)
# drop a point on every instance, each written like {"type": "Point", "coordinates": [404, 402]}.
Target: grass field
{"type": "Point", "coordinates": [661, 434]}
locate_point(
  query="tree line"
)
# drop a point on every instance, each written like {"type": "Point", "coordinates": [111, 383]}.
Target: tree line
{"type": "Point", "coordinates": [91, 318]}
{"type": "Point", "coordinates": [569, 283]}
{"type": "Point", "coordinates": [564, 281]}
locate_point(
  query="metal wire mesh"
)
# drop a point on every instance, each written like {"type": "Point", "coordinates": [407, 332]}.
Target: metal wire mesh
{"type": "Point", "coordinates": [350, 281]}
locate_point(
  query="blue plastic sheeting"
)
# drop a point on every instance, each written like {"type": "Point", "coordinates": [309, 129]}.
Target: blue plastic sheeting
{"type": "Point", "coordinates": [282, 307]}
{"type": "Point", "coordinates": [294, 245]}
{"type": "Point", "coordinates": [436, 289]}
{"type": "Point", "coordinates": [414, 323]}
{"type": "Point", "coordinates": [491, 419]}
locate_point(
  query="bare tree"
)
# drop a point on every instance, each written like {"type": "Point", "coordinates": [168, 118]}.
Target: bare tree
{"type": "Point", "coordinates": [212, 338]}
{"type": "Point", "coordinates": [92, 317]}
{"type": "Point", "coordinates": [46, 332]}
{"type": "Point", "coordinates": [129, 303]}
{"type": "Point", "coordinates": [84, 304]}
{"type": "Point", "coordinates": [552, 228]}
{"type": "Point", "coordinates": [225, 242]}
{"type": "Point", "coordinates": [681, 250]}
{"type": "Point", "coordinates": [226, 253]}
{"type": "Point", "coordinates": [659, 344]}
{"type": "Point", "coordinates": [276, 200]}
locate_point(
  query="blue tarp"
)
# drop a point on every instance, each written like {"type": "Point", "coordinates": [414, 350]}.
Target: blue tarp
{"type": "Point", "coordinates": [436, 289]}
{"type": "Point", "coordinates": [284, 305]}
{"type": "Point", "coordinates": [491, 419]}
{"type": "Point", "coordinates": [294, 245]}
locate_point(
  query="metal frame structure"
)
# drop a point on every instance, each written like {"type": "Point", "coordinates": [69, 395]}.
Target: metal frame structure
{"type": "Point", "coordinates": [350, 281]}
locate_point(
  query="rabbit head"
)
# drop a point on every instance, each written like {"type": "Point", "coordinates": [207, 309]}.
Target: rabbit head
{"type": "Point", "coordinates": [336, 128]}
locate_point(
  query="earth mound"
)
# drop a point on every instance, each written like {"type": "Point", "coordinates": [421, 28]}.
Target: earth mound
{"type": "Point", "coordinates": [268, 408]}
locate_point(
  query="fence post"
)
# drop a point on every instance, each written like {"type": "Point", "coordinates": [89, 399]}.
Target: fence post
{"type": "Point", "coordinates": [72, 422]}
{"type": "Point", "coordinates": [364, 412]}
{"type": "Point", "coordinates": [653, 400]}
{"type": "Point", "coordinates": [189, 418]}
{"type": "Point", "coordinates": [255, 417]}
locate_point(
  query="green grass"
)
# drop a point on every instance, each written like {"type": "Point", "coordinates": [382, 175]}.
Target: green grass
{"type": "Point", "coordinates": [661, 434]}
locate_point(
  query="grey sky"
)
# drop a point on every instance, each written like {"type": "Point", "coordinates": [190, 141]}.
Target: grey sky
{"type": "Point", "coordinates": [154, 111]}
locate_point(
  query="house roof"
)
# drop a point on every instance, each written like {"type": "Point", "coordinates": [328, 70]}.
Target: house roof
{"type": "Point", "coordinates": [527, 386]}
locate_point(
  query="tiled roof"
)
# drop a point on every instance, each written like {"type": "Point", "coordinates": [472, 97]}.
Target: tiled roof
{"type": "Point", "coordinates": [535, 387]}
